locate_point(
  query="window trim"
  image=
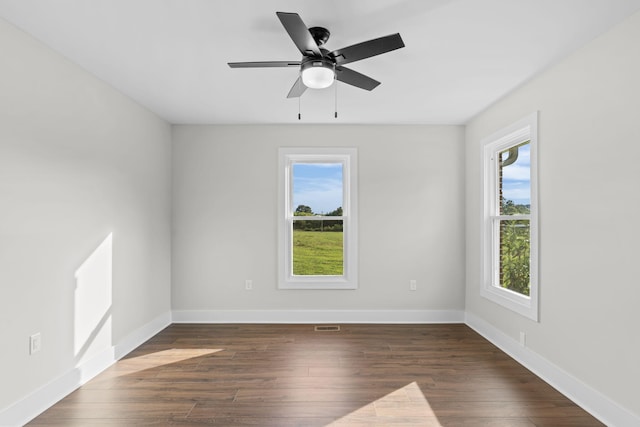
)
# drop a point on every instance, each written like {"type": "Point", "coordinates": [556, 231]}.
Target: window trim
{"type": "Point", "coordinates": [519, 132]}
{"type": "Point", "coordinates": [348, 157]}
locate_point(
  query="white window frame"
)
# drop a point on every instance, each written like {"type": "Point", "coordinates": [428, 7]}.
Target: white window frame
{"type": "Point", "coordinates": [523, 130]}
{"type": "Point", "coordinates": [287, 158]}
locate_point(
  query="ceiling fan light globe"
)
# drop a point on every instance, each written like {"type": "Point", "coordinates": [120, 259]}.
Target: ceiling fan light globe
{"type": "Point", "coordinates": [318, 77]}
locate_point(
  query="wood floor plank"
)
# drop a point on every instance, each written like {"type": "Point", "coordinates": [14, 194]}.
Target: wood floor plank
{"type": "Point", "coordinates": [319, 395]}
{"type": "Point", "coordinates": [332, 410]}
{"type": "Point", "coordinates": [121, 410]}
{"type": "Point", "coordinates": [154, 392]}
{"type": "Point", "coordinates": [412, 421]}
{"type": "Point", "coordinates": [102, 422]}
{"type": "Point", "coordinates": [290, 375]}
{"type": "Point", "coordinates": [272, 422]}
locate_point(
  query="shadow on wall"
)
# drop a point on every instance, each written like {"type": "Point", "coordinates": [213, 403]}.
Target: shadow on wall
{"type": "Point", "coordinates": [92, 303]}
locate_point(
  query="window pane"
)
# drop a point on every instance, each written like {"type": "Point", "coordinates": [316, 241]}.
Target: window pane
{"type": "Point", "coordinates": [515, 255]}
{"type": "Point", "coordinates": [515, 180]}
{"type": "Point", "coordinates": [318, 248]}
{"type": "Point", "coordinates": [317, 189]}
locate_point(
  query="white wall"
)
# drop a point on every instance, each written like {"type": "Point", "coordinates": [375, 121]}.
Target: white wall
{"type": "Point", "coordinates": [84, 215]}
{"type": "Point", "coordinates": [589, 148]}
{"type": "Point", "coordinates": [411, 198]}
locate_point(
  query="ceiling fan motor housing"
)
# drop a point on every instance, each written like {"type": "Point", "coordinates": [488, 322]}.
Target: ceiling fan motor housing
{"type": "Point", "coordinates": [320, 35]}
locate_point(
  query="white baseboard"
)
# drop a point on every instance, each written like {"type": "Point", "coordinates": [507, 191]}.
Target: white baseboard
{"type": "Point", "coordinates": [318, 316]}
{"type": "Point", "coordinates": [46, 396]}
{"type": "Point", "coordinates": [591, 400]}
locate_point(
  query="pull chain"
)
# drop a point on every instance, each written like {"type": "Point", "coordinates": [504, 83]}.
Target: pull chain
{"type": "Point", "coordinates": [299, 97]}
{"type": "Point", "coordinates": [335, 83]}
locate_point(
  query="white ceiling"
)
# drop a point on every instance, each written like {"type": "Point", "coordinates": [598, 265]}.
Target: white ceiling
{"type": "Point", "coordinates": [171, 55]}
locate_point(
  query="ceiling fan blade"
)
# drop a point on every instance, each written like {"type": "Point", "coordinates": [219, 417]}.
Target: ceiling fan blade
{"type": "Point", "coordinates": [297, 89]}
{"type": "Point", "coordinates": [354, 78]}
{"type": "Point", "coordinates": [367, 49]}
{"type": "Point", "coordinates": [263, 64]}
{"type": "Point", "coordinates": [299, 33]}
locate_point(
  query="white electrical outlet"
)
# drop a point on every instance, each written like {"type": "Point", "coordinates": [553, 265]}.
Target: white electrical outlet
{"type": "Point", "coordinates": [35, 343]}
{"type": "Point", "coordinates": [412, 285]}
{"type": "Point", "coordinates": [248, 285]}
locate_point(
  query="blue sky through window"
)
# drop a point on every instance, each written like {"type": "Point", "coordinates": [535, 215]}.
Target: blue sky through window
{"type": "Point", "coordinates": [317, 185]}
{"type": "Point", "coordinates": [516, 178]}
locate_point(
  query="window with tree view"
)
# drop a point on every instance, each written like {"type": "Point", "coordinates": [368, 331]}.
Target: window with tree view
{"type": "Point", "coordinates": [317, 225]}
{"type": "Point", "coordinates": [510, 221]}
{"type": "Point", "coordinates": [317, 228]}
{"type": "Point", "coordinates": [514, 220]}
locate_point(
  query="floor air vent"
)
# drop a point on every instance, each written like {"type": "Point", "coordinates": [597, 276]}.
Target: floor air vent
{"type": "Point", "coordinates": [326, 328]}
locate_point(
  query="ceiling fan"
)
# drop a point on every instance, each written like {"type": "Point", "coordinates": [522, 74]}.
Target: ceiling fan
{"type": "Point", "coordinates": [319, 67]}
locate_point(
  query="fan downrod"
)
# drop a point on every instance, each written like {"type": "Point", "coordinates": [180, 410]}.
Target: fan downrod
{"type": "Point", "coordinates": [320, 35]}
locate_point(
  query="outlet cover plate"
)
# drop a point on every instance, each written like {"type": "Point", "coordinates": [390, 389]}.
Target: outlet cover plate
{"type": "Point", "coordinates": [35, 343]}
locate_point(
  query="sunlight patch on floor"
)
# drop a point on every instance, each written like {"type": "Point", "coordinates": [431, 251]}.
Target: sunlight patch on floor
{"type": "Point", "coordinates": [409, 401]}
{"type": "Point", "coordinates": [182, 356]}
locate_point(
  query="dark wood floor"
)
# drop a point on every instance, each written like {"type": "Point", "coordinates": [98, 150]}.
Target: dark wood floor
{"type": "Point", "coordinates": [289, 375]}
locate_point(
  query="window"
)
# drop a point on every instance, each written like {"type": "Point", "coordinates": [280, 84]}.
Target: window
{"type": "Point", "coordinates": [317, 218]}
{"type": "Point", "coordinates": [509, 229]}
